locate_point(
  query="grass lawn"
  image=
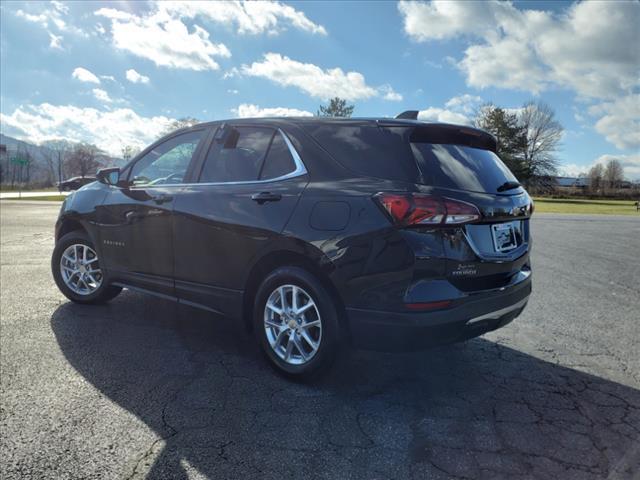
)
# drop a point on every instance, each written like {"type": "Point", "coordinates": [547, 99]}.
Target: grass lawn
{"type": "Point", "coordinates": [48, 198]}
{"type": "Point", "coordinates": [565, 205]}
{"type": "Point", "coordinates": [7, 188]}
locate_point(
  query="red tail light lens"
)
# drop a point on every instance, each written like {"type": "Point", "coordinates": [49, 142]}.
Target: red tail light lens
{"type": "Point", "coordinates": [418, 209]}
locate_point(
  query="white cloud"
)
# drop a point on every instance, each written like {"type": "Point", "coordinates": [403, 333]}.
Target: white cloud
{"type": "Point", "coordinates": [233, 91]}
{"type": "Point", "coordinates": [247, 110]}
{"type": "Point", "coordinates": [590, 48]}
{"type": "Point", "coordinates": [164, 40]}
{"type": "Point", "coordinates": [389, 93]}
{"type": "Point", "coordinates": [85, 75]}
{"type": "Point", "coordinates": [248, 17]}
{"type": "Point", "coordinates": [52, 18]}
{"type": "Point", "coordinates": [458, 109]}
{"type": "Point", "coordinates": [466, 103]}
{"type": "Point", "coordinates": [40, 18]}
{"type": "Point", "coordinates": [109, 130]}
{"type": "Point", "coordinates": [435, 114]}
{"type": "Point", "coordinates": [55, 41]}
{"type": "Point", "coordinates": [135, 77]}
{"type": "Point", "coordinates": [315, 81]}
{"type": "Point", "coordinates": [446, 19]}
{"type": "Point", "coordinates": [619, 121]}
{"type": "Point", "coordinates": [102, 95]}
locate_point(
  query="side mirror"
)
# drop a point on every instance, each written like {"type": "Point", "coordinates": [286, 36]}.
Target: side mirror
{"type": "Point", "coordinates": [109, 176]}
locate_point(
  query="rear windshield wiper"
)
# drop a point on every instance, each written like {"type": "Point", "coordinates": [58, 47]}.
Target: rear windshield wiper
{"type": "Point", "coordinates": [508, 186]}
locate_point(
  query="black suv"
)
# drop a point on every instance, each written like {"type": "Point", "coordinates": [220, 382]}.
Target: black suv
{"type": "Point", "coordinates": [314, 232]}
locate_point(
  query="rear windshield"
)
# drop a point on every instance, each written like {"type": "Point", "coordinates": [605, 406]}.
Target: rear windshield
{"type": "Point", "coordinates": [402, 153]}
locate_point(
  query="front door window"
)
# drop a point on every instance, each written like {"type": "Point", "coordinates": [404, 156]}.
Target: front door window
{"type": "Point", "coordinates": [167, 163]}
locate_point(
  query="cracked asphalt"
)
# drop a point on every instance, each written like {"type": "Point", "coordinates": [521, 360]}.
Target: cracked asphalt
{"type": "Point", "coordinates": [143, 388]}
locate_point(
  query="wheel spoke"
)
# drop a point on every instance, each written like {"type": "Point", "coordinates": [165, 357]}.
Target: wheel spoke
{"type": "Point", "coordinates": [68, 259]}
{"type": "Point", "coordinates": [296, 342]}
{"type": "Point", "coordinates": [287, 353]}
{"type": "Point", "coordinates": [308, 339]}
{"type": "Point", "coordinates": [283, 298]}
{"type": "Point", "coordinates": [274, 309]}
{"type": "Point", "coordinates": [273, 324]}
{"type": "Point", "coordinates": [294, 298]}
{"type": "Point", "coordinates": [305, 307]}
{"type": "Point", "coordinates": [315, 323]}
{"type": "Point", "coordinates": [279, 338]}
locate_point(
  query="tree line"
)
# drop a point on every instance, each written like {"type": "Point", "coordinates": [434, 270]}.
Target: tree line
{"type": "Point", "coordinates": [528, 140]}
{"type": "Point", "coordinates": [49, 164]}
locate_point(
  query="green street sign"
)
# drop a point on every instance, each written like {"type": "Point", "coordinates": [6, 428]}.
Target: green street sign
{"type": "Point", "coordinates": [20, 160]}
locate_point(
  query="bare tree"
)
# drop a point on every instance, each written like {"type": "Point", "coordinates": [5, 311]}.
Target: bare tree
{"type": "Point", "coordinates": [60, 149]}
{"type": "Point", "coordinates": [183, 122]}
{"type": "Point", "coordinates": [544, 134]}
{"type": "Point", "coordinates": [84, 159]}
{"type": "Point", "coordinates": [129, 151]}
{"type": "Point", "coordinates": [596, 175]}
{"type": "Point", "coordinates": [613, 173]}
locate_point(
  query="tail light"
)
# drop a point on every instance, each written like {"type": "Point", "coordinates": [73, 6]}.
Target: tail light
{"type": "Point", "coordinates": [407, 209]}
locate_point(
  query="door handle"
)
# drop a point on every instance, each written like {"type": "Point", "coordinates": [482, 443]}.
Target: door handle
{"type": "Point", "coordinates": [162, 198]}
{"type": "Point", "coordinates": [263, 197]}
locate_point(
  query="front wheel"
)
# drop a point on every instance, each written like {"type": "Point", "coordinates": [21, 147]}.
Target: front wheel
{"type": "Point", "coordinates": [76, 270]}
{"type": "Point", "coordinates": [296, 323]}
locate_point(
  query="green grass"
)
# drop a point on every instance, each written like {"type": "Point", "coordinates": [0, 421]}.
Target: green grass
{"type": "Point", "coordinates": [48, 198]}
{"type": "Point", "coordinates": [606, 207]}
{"type": "Point", "coordinates": [7, 188]}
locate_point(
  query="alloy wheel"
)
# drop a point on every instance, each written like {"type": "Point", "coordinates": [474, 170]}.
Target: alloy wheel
{"type": "Point", "coordinates": [292, 324]}
{"type": "Point", "coordinates": [80, 269]}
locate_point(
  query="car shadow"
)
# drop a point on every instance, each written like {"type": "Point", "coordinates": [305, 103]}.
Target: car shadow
{"type": "Point", "coordinates": [473, 410]}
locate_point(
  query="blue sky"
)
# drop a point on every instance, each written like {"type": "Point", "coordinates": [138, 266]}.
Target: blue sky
{"type": "Point", "coordinates": [115, 73]}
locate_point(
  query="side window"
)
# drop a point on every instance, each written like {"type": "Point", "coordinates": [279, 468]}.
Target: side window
{"type": "Point", "coordinates": [240, 158]}
{"type": "Point", "coordinates": [168, 162]}
{"type": "Point", "coordinates": [279, 161]}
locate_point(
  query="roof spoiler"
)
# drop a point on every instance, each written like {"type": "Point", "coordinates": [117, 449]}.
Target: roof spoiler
{"type": "Point", "coordinates": [409, 115]}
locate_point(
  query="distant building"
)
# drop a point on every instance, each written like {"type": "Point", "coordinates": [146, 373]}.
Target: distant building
{"type": "Point", "coordinates": [575, 182]}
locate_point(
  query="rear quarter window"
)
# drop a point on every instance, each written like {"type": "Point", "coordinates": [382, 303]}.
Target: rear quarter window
{"type": "Point", "coordinates": [369, 150]}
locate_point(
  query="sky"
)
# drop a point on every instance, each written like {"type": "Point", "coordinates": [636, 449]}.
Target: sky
{"type": "Point", "coordinates": [116, 73]}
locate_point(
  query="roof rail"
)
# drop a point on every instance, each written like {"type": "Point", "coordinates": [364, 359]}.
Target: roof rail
{"type": "Point", "coordinates": [409, 115]}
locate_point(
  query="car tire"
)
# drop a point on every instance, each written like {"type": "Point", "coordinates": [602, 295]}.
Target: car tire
{"type": "Point", "coordinates": [325, 335]}
{"type": "Point", "coordinates": [97, 291]}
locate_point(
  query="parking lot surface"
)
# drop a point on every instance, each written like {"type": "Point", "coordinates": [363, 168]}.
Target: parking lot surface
{"type": "Point", "coordinates": [143, 388]}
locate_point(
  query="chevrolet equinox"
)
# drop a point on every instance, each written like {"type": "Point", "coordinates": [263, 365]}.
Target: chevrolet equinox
{"type": "Point", "coordinates": [390, 234]}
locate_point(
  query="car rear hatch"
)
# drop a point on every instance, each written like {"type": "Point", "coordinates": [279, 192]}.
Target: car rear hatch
{"type": "Point", "coordinates": [453, 171]}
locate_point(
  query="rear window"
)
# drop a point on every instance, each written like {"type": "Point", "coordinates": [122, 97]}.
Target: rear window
{"type": "Point", "coordinates": [460, 167]}
{"type": "Point", "coordinates": [412, 154]}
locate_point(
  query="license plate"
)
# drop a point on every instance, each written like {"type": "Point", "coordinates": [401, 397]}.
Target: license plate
{"type": "Point", "coordinates": [504, 237]}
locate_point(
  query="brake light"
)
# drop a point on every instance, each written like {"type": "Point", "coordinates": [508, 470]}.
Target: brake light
{"type": "Point", "coordinates": [407, 209]}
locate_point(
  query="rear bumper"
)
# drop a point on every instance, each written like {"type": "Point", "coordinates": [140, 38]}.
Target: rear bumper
{"type": "Point", "coordinates": [470, 317]}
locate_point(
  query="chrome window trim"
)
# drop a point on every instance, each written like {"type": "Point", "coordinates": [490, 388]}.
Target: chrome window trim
{"type": "Point", "coordinates": [298, 172]}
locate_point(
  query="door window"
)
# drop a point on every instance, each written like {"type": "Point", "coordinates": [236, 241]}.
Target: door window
{"type": "Point", "coordinates": [168, 162]}
{"type": "Point", "coordinates": [279, 161]}
{"type": "Point", "coordinates": [239, 158]}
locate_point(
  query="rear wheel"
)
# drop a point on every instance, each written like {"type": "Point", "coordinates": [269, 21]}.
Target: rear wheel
{"type": "Point", "coordinates": [76, 270]}
{"type": "Point", "coordinates": [296, 322]}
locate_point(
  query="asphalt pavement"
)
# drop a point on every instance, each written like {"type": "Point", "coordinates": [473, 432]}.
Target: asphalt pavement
{"type": "Point", "coordinates": [143, 388]}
